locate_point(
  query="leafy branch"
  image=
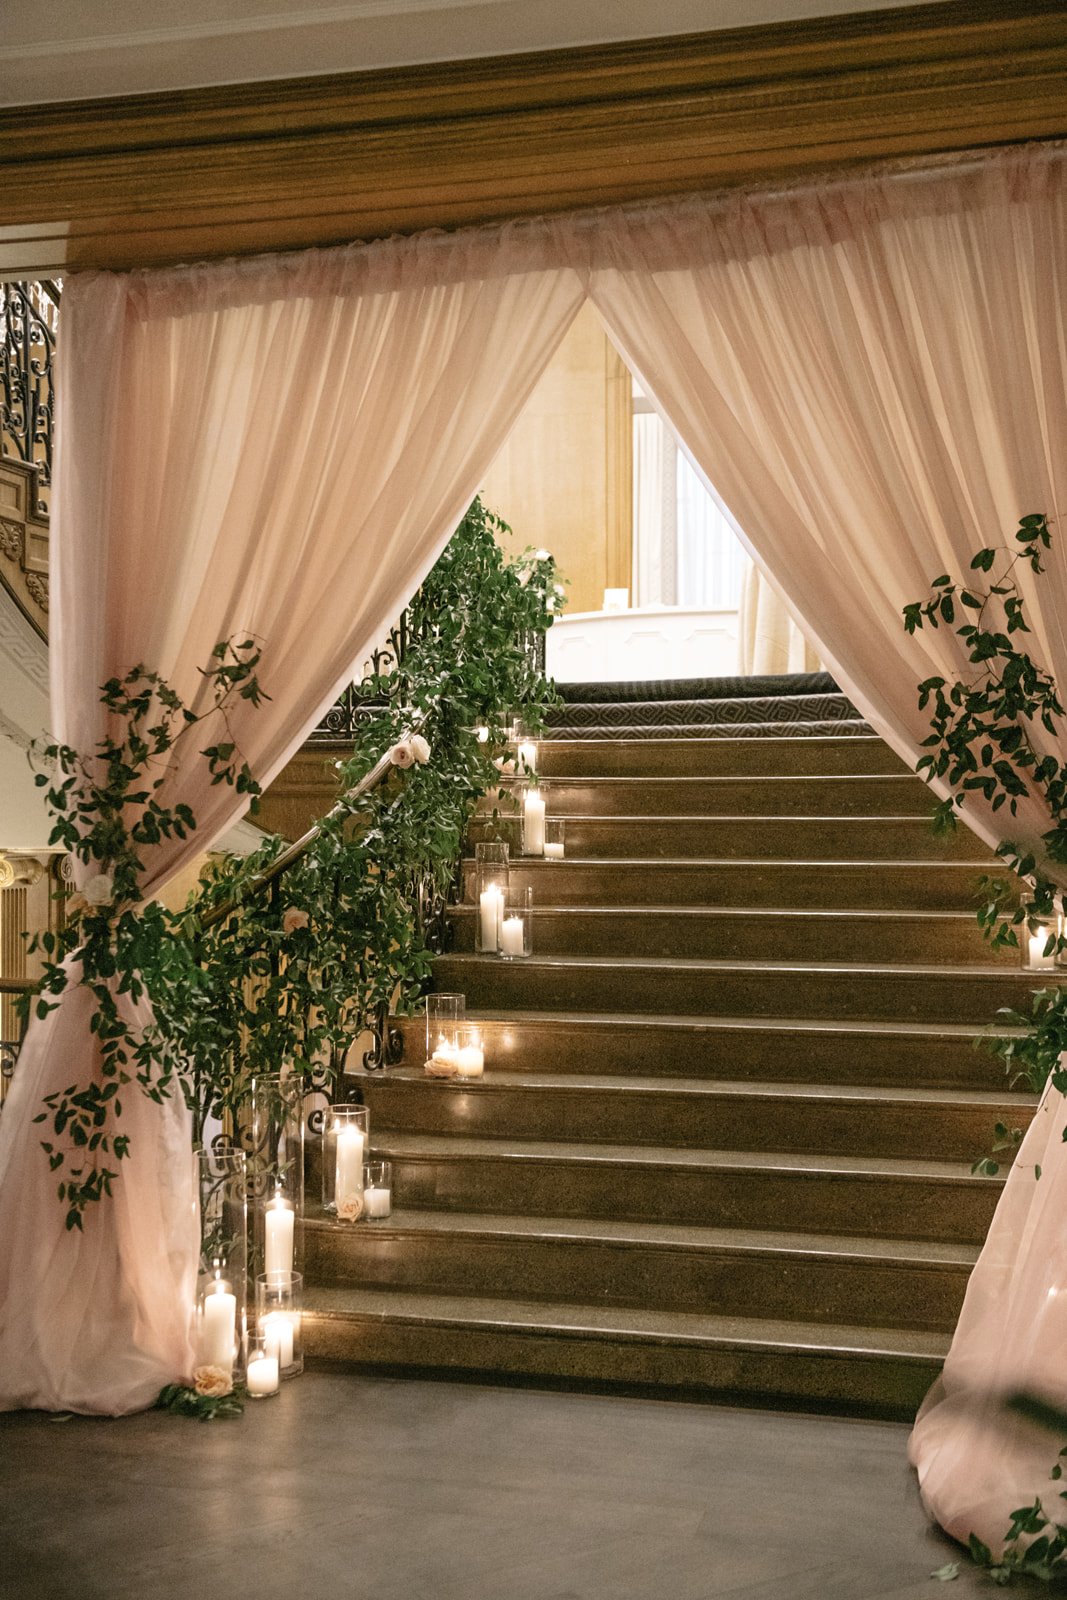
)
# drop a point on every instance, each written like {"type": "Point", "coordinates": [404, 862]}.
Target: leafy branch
{"type": "Point", "coordinates": [982, 739]}
{"type": "Point", "coordinates": [107, 813]}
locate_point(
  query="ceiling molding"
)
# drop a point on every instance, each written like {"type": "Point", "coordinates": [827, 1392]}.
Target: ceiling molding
{"type": "Point", "coordinates": [187, 175]}
{"type": "Point", "coordinates": [57, 52]}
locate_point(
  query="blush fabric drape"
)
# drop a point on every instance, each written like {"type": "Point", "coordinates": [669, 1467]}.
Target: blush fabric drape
{"type": "Point", "coordinates": [872, 376]}
{"type": "Point", "coordinates": [276, 447]}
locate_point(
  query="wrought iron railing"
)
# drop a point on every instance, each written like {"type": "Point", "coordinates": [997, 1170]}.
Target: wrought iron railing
{"type": "Point", "coordinates": [362, 700]}
{"type": "Point", "coordinates": [28, 317]}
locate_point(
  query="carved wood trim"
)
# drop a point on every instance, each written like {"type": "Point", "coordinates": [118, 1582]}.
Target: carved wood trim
{"type": "Point", "coordinates": [23, 543]}
{"type": "Point", "coordinates": [268, 166]}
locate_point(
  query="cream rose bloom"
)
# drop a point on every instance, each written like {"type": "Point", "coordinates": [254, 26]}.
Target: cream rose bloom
{"type": "Point", "coordinates": [402, 755]}
{"type": "Point", "coordinates": [214, 1382]}
{"type": "Point", "coordinates": [420, 748]}
{"type": "Point", "coordinates": [350, 1209]}
{"type": "Point", "coordinates": [294, 918]}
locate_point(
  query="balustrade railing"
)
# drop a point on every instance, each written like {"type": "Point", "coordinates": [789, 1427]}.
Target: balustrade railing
{"type": "Point", "coordinates": [28, 317]}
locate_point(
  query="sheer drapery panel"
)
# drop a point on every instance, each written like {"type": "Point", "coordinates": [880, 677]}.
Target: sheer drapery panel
{"type": "Point", "coordinates": [277, 448]}
{"type": "Point", "coordinates": [872, 375]}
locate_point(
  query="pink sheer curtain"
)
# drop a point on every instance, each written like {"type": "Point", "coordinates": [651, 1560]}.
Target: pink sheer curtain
{"type": "Point", "coordinates": [873, 376]}
{"type": "Point", "coordinates": [278, 447]}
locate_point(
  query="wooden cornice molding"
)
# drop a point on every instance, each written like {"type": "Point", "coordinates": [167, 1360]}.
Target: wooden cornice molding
{"type": "Point", "coordinates": [193, 174]}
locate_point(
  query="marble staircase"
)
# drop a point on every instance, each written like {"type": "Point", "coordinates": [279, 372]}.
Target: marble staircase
{"type": "Point", "coordinates": [723, 1141]}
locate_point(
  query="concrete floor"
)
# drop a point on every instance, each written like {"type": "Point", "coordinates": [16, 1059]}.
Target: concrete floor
{"type": "Point", "coordinates": [368, 1488]}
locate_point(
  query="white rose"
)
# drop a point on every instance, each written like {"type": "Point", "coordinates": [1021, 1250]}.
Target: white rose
{"type": "Point", "coordinates": [542, 555]}
{"type": "Point", "coordinates": [99, 890]}
{"type": "Point", "coordinates": [402, 755]}
{"type": "Point", "coordinates": [350, 1208]}
{"type": "Point", "coordinates": [420, 748]}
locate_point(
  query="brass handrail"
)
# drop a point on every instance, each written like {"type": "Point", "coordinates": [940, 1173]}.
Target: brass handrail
{"type": "Point", "coordinates": [301, 846]}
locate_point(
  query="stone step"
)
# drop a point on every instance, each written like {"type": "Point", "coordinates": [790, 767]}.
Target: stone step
{"type": "Point", "coordinates": [737, 935]}
{"type": "Point", "coordinates": [881, 993]}
{"type": "Point", "coordinates": [786, 710]}
{"type": "Point", "coordinates": [742, 1049]}
{"type": "Point", "coordinates": [906, 838]}
{"type": "Point", "coordinates": [676, 752]}
{"type": "Point", "coordinates": [650, 1266]}
{"type": "Point", "coordinates": [882, 1370]}
{"type": "Point", "coordinates": [878, 795]}
{"type": "Point", "coordinates": [898, 1199]}
{"type": "Point", "coordinates": [699, 1114]}
{"type": "Point", "coordinates": [747, 884]}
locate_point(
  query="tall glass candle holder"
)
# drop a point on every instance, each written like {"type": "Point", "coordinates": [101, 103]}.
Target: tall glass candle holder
{"type": "Point", "coordinates": [276, 1173]}
{"type": "Point", "coordinates": [344, 1143]}
{"type": "Point", "coordinates": [533, 820]}
{"type": "Point", "coordinates": [279, 1317]}
{"type": "Point", "coordinates": [516, 933]}
{"type": "Point", "coordinates": [444, 1013]}
{"type": "Point", "coordinates": [491, 861]}
{"type": "Point", "coordinates": [222, 1277]}
{"type": "Point", "coordinates": [555, 838]}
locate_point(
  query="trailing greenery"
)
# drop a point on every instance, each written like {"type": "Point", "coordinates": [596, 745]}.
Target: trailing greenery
{"type": "Point", "coordinates": [107, 812]}
{"type": "Point", "coordinates": [292, 977]}
{"type": "Point", "coordinates": [251, 980]}
{"type": "Point", "coordinates": [181, 1401]}
{"type": "Point", "coordinates": [984, 741]}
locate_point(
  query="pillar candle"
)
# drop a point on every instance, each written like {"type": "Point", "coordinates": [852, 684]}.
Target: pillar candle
{"type": "Point", "coordinates": [262, 1375]}
{"type": "Point", "coordinates": [1036, 949]}
{"type": "Point", "coordinates": [277, 1330]}
{"type": "Point", "coordinates": [533, 818]}
{"type": "Point", "coordinates": [278, 1250]}
{"type": "Point", "coordinates": [218, 1328]}
{"type": "Point", "coordinates": [471, 1058]}
{"type": "Point", "coordinates": [512, 937]}
{"type": "Point", "coordinates": [528, 757]}
{"type": "Point", "coordinates": [554, 852]}
{"type": "Point", "coordinates": [491, 910]}
{"type": "Point", "coordinates": [348, 1171]}
{"type": "Point", "coordinates": [377, 1202]}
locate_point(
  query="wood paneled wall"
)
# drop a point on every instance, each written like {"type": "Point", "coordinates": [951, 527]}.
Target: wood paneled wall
{"type": "Point", "coordinates": [275, 165]}
{"type": "Point", "coordinates": [563, 479]}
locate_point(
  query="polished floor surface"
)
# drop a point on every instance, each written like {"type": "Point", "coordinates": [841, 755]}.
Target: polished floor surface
{"type": "Point", "coordinates": [367, 1488]}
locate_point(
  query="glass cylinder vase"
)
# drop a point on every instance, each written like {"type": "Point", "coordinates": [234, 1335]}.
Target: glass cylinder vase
{"type": "Point", "coordinates": [276, 1173]}
{"type": "Point", "coordinates": [279, 1317]}
{"type": "Point", "coordinates": [516, 932]}
{"type": "Point", "coordinates": [222, 1277]}
{"type": "Point", "coordinates": [491, 861]}
{"type": "Point", "coordinates": [444, 1013]}
{"type": "Point", "coordinates": [1038, 941]}
{"type": "Point", "coordinates": [344, 1144]}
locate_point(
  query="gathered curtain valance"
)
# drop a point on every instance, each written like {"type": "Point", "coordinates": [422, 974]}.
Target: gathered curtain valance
{"type": "Point", "coordinates": [871, 373]}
